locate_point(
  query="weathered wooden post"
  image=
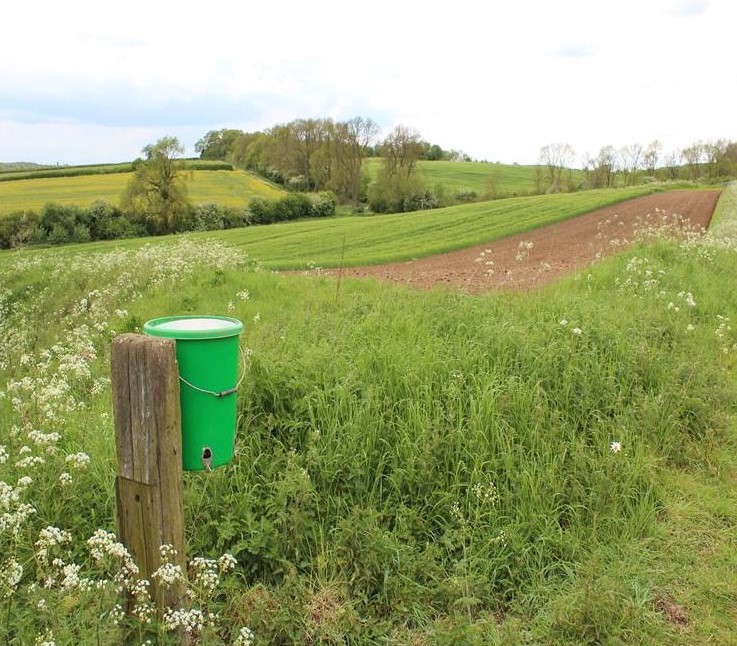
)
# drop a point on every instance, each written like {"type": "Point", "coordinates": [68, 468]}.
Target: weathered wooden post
{"type": "Point", "coordinates": [148, 487]}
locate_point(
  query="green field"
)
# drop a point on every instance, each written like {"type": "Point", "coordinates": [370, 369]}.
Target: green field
{"type": "Point", "coordinates": [227, 188]}
{"type": "Point", "coordinates": [487, 180]}
{"type": "Point", "coordinates": [418, 468]}
{"type": "Point", "coordinates": [363, 240]}
{"type": "Point", "coordinates": [375, 239]}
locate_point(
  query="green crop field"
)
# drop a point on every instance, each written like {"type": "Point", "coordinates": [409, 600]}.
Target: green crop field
{"type": "Point", "coordinates": [227, 188]}
{"type": "Point", "coordinates": [375, 239]}
{"type": "Point", "coordinates": [419, 468]}
{"type": "Point", "coordinates": [487, 180]}
{"type": "Point", "coordinates": [363, 240]}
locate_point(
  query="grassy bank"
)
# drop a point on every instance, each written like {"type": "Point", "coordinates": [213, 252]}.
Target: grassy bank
{"type": "Point", "coordinates": [554, 468]}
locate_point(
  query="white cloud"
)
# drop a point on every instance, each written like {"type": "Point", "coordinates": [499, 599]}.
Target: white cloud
{"type": "Point", "coordinates": [497, 80]}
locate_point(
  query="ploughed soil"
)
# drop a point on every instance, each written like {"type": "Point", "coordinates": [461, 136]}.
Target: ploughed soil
{"type": "Point", "coordinates": [529, 260]}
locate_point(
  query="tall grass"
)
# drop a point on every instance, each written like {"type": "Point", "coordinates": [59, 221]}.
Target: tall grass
{"type": "Point", "coordinates": [444, 471]}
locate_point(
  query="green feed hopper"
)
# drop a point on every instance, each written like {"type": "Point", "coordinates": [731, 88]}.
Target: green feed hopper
{"type": "Point", "coordinates": [207, 354]}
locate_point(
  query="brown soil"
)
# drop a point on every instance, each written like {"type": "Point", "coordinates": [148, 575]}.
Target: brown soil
{"type": "Point", "coordinates": [555, 250]}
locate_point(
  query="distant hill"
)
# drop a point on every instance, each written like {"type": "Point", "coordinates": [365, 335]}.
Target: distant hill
{"type": "Point", "coordinates": [13, 166]}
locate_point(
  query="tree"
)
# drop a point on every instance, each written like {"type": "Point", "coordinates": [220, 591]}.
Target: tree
{"type": "Point", "coordinates": [217, 144]}
{"type": "Point", "coordinates": [434, 153]}
{"type": "Point", "coordinates": [630, 157]}
{"type": "Point", "coordinates": [352, 142]}
{"type": "Point", "coordinates": [730, 159]}
{"type": "Point", "coordinates": [715, 152]}
{"type": "Point", "coordinates": [606, 167]}
{"type": "Point", "coordinates": [651, 156]}
{"type": "Point", "coordinates": [157, 192]}
{"type": "Point", "coordinates": [401, 150]}
{"type": "Point", "coordinates": [556, 157]}
{"type": "Point", "coordinates": [398, 188]}
{"type": "Point", "coordinates": [693, 155]}
{"type": "Point", "coordinates": [588, 166]}
{"type": "Point", "coordinates": [673, 164]}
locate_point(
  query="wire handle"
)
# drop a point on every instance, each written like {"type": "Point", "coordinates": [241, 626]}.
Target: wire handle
{"type": "Point", "coordinates": [222, 393]}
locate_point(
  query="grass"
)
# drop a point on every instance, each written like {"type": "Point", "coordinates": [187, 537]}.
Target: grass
{"type": "Point", "coordinates": [487, 180]}
{"type": "Point", "coordinates": [363, 240]}
{"type": "Point", "coordinates": [227, 188]}
{"type": "Point", "coordinates": [435, 473]}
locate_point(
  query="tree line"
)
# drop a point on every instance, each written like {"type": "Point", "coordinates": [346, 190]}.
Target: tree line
{"type": "Point", "coordinates": [328, 155]}
{"type": "Point", "coordinates": [712, 161]}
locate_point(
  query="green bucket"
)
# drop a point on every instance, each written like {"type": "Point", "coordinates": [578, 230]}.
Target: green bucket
{"type": "Point", "coordinates": [207, 354]}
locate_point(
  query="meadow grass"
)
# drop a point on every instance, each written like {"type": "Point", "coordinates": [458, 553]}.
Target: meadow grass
{"type": "Point", "coordinates": [227, 188]}
{"type": "Point", "coordinates": [487, 180]}
{"type": "Point", "coordinates": [551, 468]}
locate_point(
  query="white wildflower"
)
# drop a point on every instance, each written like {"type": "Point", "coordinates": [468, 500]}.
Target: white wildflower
{"type": "Point", "coordinates": [245, 637]}
{"type": "Point", "coordinates": [78, 460]}
{"type": "Point", "coordinates": [205, 572]}
{"type": "Point", "coordinates": [168, 573]}
{"type": "Point", "coordinates": [45, 639]}
{"type": "Point", "coordinates": [615, 447]}
{"type": "Point", "coordinates": [10, 576]}
{"type": "Point", "coordinates": [227, 563]}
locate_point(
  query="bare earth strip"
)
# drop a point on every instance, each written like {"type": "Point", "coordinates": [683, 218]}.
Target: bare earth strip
{"type": "Point", "coordinates": [554, 251]}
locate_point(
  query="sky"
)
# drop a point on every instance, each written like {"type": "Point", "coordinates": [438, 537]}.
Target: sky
{"type": "Point", "coordinates": [93, 82]}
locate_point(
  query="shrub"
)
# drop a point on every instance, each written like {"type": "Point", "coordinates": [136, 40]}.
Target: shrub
{"type": "Point", "coordinates": [259, 209]}
{"type": "Point", "coordinates": [291, 207]}
{"type": "Point", "coordinates": [420, 201]}
{"type": "Point", "coordinates": [298, 183]}
{"type": "Point", "coordinates": [58, 222]}
{"type": "Point", "coordinates": [323, 204]}
{"type": "Point", "coordinates": [234, 218]}
{"type": "Point", "coordinates": [208, 217]}
{"type": "Point", "coordinates": [107, 222]}
{"type": "Point", "coordinates": [17, 229]}
{"type": "Point", "coordinates": [465, 195]}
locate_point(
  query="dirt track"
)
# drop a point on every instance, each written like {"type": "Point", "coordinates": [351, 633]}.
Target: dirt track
{"type": "Point", "coordinates": [556, 250]}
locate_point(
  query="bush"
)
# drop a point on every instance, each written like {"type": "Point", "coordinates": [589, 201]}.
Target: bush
{"type": "Point", "coordinates": [259, 209]}
{"type": "Point", "coordinates": [107, 222]}
{"type": "Point", "coordinates": [208, 217]}
{"type": "Point", "coordinates": [298, 183]}
{"type": "Point", "coordinates": [324, 204]}
{"type": "Point", "coordinates": [291, 207]}
{"type": "Point", "coordinates": [397, 194]}
{"type": "Point", "coordinates": [234, 218]}
{"type": "Point", "coordinates": [58, 222]}
{"type": "Point", "coordinates": [420, 201]}
{"type": "Point", "coordinates": [465, 195]}
{"type": "Point", "coordinates": [17, 229]}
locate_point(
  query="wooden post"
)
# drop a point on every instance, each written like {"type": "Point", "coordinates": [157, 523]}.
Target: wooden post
{"type": "Point", "coordinates": [148, 488]}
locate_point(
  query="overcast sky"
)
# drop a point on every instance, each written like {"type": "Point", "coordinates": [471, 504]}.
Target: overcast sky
{"type": "Point", "coordinates": [86, 82]}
